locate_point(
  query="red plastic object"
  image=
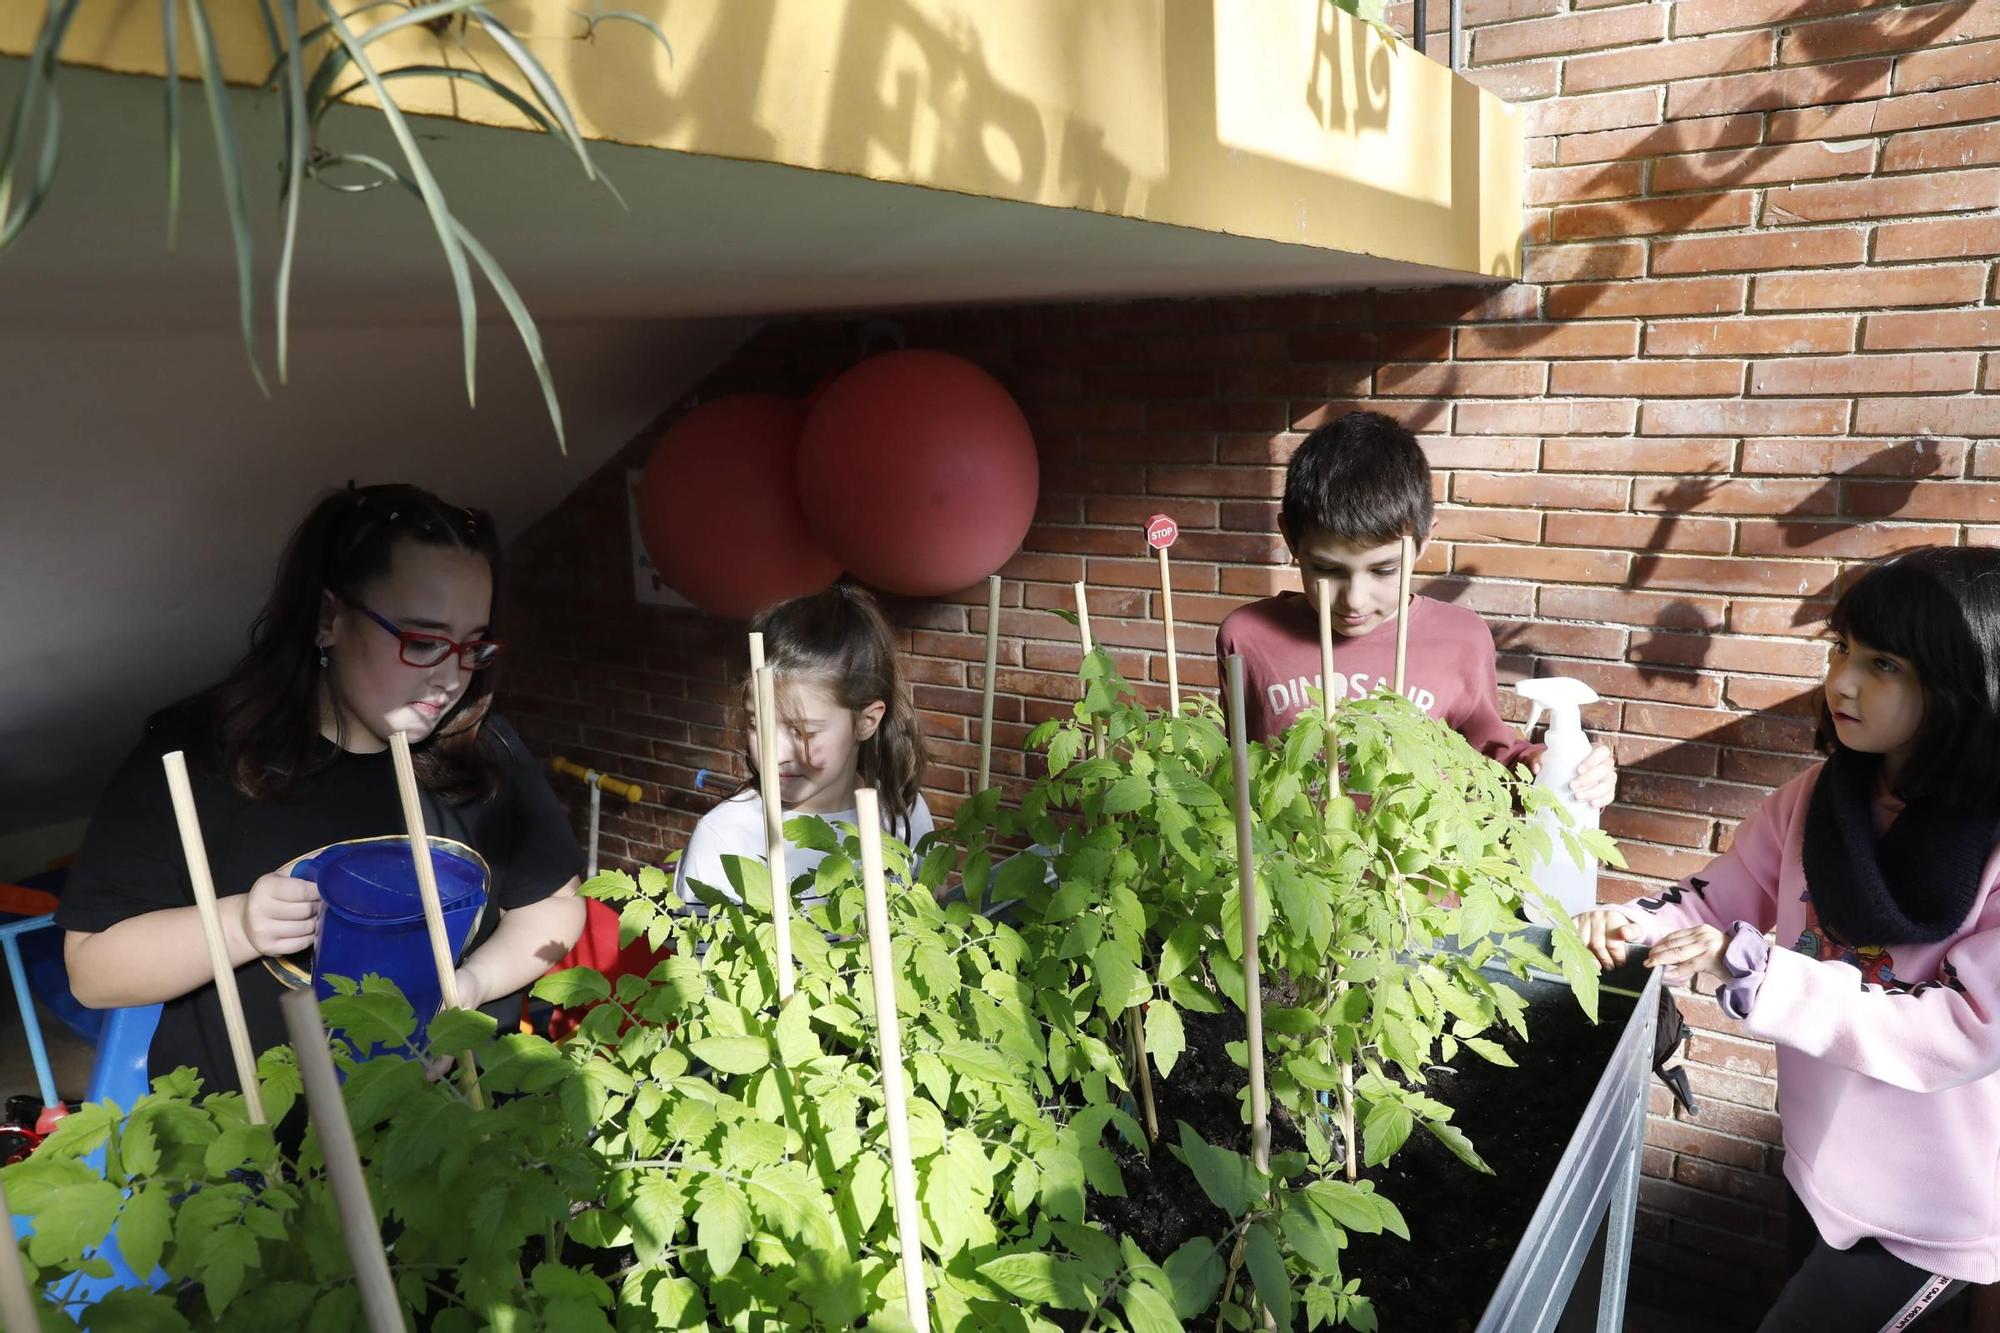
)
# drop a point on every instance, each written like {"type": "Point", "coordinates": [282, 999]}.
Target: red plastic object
{"type": "Point", "coordinates": [720, 513]}
{"type": "Point", "coordinates": [598, 947]}
{"type": "Point", "coordinates": [918, 472]}
{"type": "Point", "coordinates": [45, 1123]}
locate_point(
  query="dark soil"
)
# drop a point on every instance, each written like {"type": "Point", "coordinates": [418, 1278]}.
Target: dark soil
{"type": "Point", "coordinates": [1464, 1226]}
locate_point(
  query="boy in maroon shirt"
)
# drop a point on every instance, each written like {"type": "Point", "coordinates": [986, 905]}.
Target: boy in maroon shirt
{"type": "Point", "coordinates": [1353, 490]}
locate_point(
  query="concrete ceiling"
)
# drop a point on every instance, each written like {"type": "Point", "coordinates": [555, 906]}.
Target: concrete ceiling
{"type": "Point", "coordinates": [148, 485]}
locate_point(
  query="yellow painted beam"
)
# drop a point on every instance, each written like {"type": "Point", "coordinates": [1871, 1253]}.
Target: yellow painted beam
{"type": "Point", "coordinates": [1285, 120]}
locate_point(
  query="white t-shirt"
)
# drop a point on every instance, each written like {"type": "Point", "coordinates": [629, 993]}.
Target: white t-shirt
{"type": "Point", "coordinates": [736, 828]}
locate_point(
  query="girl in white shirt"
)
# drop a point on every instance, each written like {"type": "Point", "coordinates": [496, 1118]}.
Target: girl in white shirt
{"type": "Point", "coordinates": [846, 721]}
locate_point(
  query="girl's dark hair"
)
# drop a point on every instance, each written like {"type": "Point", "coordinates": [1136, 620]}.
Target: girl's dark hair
{"type": "Point", "coordinates": [841, 638]}
{"type": "Point", "coordinates": [261, 723]}
{"type": "Point", "coordinates": [1939, 607]}
{"type": "Point", "coordinates": [1362, 478]}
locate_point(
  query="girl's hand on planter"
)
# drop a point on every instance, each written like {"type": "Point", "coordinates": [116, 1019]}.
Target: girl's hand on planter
{"type": "Point", "coordinates": [1687, 954]}
{"type": "Point", "coordinates": [1605, 933]}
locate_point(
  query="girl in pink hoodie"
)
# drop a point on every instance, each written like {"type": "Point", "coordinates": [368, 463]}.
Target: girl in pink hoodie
{"type": "Point", "coordinates": [1876, 872]}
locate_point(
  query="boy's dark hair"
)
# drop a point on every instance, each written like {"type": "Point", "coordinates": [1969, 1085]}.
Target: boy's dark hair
{"type": "Point", "coordinates": [1362, 478]}
{"type": "Point", "coordinates": [1939, 607]}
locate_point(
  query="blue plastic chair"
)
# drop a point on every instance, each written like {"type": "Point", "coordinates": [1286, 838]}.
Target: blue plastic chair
{"type": "Point", "coordinates": [118, 1074]}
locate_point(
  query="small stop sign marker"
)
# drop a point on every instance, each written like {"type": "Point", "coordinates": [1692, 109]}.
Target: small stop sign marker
{"type": "Point", "coordinates": [1161, 532]}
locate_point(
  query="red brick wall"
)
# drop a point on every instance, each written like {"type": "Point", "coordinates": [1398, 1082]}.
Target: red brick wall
{"type": "Point", "coordinates": [1759, 343]}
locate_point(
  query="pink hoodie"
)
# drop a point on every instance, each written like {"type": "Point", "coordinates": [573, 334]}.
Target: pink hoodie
{"type": "Point", "coordinates": [1888, 1058]}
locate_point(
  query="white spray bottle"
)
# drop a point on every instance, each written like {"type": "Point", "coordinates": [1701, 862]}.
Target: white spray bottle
{"type": "Point", "coordinates": [1574, 886]}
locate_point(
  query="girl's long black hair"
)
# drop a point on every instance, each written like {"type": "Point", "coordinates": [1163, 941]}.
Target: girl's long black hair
{"type": "Point", "coordinates": [260, 727]}
{"type": "Point", "coordinates": [1939, 607]}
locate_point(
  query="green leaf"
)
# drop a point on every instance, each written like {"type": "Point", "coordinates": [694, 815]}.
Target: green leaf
{"type": "Point", "coordinates": [1454, 1138]}
{"type": "Point", "coordinates": [1129, 793]}
{"type": "Point", "coordinates": [459, 1030]}
{"type": "Point", "coordinates": [1579, 967]}
{"type": "Point", "coordinates": [1195, 1269]}
{"type": "Point", "coordinates": [1385, 1129]}
{"type": "Point", "coordinates": [980, 1061]}
{"type": "Point", "coordinates": [722, 1224]}
{"type": "Point", "coordinates": [1492, 1051]}
{"type": "Point", "coordinates": [1120, 983]}
{"type": "Point", "coordinates": [1228, 1178]}
{"type": "Point", "coordinates": [1041, 1278]}
{"type": "Point", "coordinates": [1266, 1263]}
{"type": "Point", "coordinates": [732, 1055]}
{"type": "Point", "coordinates": [230, 159]}
{"type": "Point", "coordinates": [1165, 1038]}
{"type": "Point", "coordinates": [75, 1219]}
{"type": "Point", "coordinates": [1147, 1311]}
{"type": "Point", "coordinates": [573, 987]}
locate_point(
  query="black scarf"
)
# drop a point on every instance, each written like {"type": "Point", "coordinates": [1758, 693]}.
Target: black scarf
{"type": "Point", "coordinates": [1916, 884]}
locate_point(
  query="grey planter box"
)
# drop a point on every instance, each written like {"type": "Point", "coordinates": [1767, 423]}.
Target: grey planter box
{"type": "Point", "coordinates": [1586, 1213]}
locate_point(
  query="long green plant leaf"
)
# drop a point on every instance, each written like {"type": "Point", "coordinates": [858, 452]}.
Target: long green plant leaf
{"type": "Point", "coordinates": [37, 92]}
{"type": "Point", "coordinates": [539, 80]}
{"type": "Point", "coordinates": [297, 147]}
{"type": "Point", "coordinates": [171, 33]}
{"type": "Point", "coordinates": [229, 157]}
{"type": "Point", "coordinates": [433, 197]}
{"type": "Point", "coordinates": [341, 55]}
{"type": "Point", "coordinates": [517, 309]}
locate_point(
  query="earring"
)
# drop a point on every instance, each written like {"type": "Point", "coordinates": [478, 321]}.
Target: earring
{"type": "Point", "coordinates": [322, 659]}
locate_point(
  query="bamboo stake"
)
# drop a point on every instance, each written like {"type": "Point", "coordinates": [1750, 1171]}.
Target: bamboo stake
{"type": "Point", "coordinates": [359, 1225]}
{"type": "Point", "coordinates": [1332, 792]}
{"type": "Point", "coordinates": [427, 889]}
{"type": "Point", "coordinates": [1133, 1032]}
{"type": "Point", "coordinates": [986, 688]}
{"type": "Point", "coordinates": [196, 852]}
{"type": "Point", "coordinates": [17, 1301]}
{"type": "Point", "coordinates": [1246, 869]}
{"type": "Point", "coordinates": [756, 654]}
{"type": "Point", "coordinates": [774, 825]}
{"type": "Point", "coordinates": [1326, 687]}
{"type": "Point", "coordinates": [1403, 610]}
{"type": "Point", "coordinates": [1083, 629]}
{"type": "Point", "coordinates": [1173, 658]}
{"type": "Point", "coordinates": [888, 1029]}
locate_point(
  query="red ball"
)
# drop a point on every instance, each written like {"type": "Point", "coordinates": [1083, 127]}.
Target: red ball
{"type": "Point", "coordinates": [918, 472]}
{"type": "Point", "coordinates": [719, 510]}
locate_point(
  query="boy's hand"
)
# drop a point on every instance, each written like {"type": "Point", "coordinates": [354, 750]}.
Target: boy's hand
{"type": "Point", "coordinates": [1690, 953]}
{"type": "Point", "coordinates": [1605, 934]}
{"type": "Point", "coordinates": [1595, 782]}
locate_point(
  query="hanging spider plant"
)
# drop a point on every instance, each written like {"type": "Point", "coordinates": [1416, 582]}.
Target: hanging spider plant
{"type": "Point", "coordinates": [315, 68]}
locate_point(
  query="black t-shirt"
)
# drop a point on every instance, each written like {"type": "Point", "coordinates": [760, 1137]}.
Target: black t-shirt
{"type": "Point", "coordinates": [131, 863]}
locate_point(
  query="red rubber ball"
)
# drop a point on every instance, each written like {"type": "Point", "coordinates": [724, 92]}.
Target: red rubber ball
{"type": "Point", "coordinates": [918, 472]}
{"type": "Point", "coordinates": [719, 510]}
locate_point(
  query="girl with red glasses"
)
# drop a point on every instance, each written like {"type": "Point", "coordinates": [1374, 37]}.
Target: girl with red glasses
{"type": "Point", "coordinates": [381, 620]}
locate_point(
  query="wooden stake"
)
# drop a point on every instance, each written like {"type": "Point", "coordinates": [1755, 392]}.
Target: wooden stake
{"type": "Point", "coordinates": [359, 1225]}
{"type": "Point", "coordinates": [986, 688]}
{"type": "Point", "coordinates": [1246, 870]}
{"type": "Point", "coordinates": [888, 1029]}
{"type": "Point", "coordinates": [427, 890]}
{"type": "Point", "coordinates": [1083, 630]}
{"type": "Point", "coordinates": [774, 825]}
{"type": "Point", "coordinates": [17, 1301]}
{"type": "Point", "coordinates": [1173, 658]}
{"type": "Point", "coordinates": [1326, 687]}
{"type": "Point", "coordinates": [1403, 610]}
{"type": "Point", "coordinates": [196, 852]}
{"type": "Point", "coordinates": [756, 653]}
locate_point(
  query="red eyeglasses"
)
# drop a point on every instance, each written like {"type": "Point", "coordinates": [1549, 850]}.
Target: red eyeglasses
{"type": "Point", "coordinates": [427, 650]}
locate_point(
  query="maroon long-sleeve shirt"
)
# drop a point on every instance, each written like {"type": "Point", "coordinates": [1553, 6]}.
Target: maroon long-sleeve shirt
{"type": "Point", "coordinates": [1450, 671]}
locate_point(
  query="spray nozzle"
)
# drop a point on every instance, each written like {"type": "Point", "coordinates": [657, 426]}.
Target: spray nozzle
{"type": "Point", "coordinates": [1565, 695]}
